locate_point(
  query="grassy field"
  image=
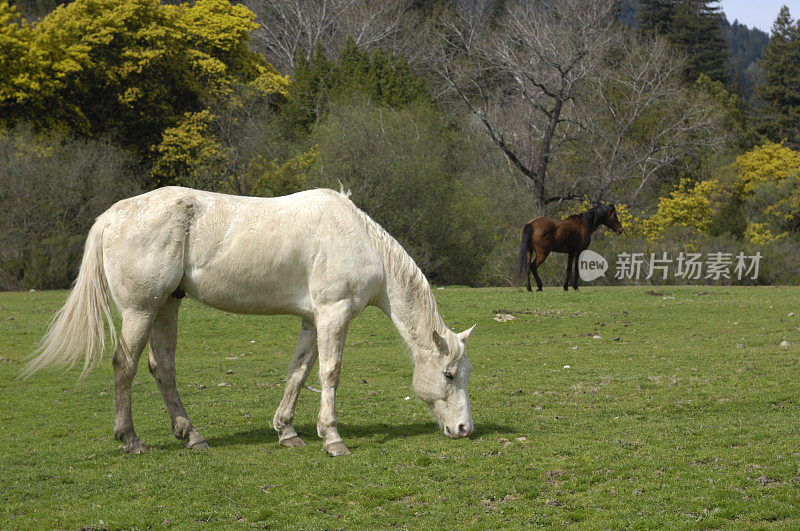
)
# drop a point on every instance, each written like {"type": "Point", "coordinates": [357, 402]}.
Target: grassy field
{"type": "Point", "coordinates": [683, 413]}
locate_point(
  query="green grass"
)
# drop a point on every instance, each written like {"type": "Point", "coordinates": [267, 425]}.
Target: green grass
{"type": "Point", "coordinates": [663, 421]}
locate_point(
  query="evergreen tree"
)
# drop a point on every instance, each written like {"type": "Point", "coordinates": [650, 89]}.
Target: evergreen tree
{"type": "Point", "coordinates": [747, 46]}
{"type": "Point", "coordinates": [700, 37]}
{"type": "Point", "coordinates": [656, 16]}
{"type": "Point", "coordinates": [781, 88]}
{"type": "Point", "coordinates": [693, 27]}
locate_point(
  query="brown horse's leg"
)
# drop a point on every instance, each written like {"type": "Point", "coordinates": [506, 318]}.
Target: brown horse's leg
{"type": "Point", "coordinates": [570, 259]}
{"type": "Point", "coordinates": [540, 257]}
{"type": "Point", "coordinates": [575, 267]}
{"type": "Point", "coordinates": [528, 274]}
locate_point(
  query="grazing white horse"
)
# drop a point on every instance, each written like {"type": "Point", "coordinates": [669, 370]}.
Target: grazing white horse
{"type": "Point", "coordinates": [313, 254]}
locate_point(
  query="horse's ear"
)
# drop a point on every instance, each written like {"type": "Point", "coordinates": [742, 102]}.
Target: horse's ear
{"type": "Point", "coordinates": [441, 343]}
{"type": "Point", "coordinates": [463, 336]}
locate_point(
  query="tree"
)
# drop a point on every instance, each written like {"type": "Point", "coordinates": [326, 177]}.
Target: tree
{"type": "Point", "coordinates": [517, 74]}
{"type": "Point", "coordinates": [656, 16]}
{"type": "Point", "coordinates": [694, 28]}
{"type": "Point", "coordinates": [386, 79]}
{"type": "Point", "coordinates": [781, 88]}
{"type": "Point", "coordinates": [129, 69]}
{"type": "Point", "coordinates": [638, 120]}
{"type": "Point", "coordinates": [746, 46]}
{"type": "Point", "coordinates": [689, 205]}
{"type": "Point", "coordinates": [35, 9]}
{"type": "Point", "coordinates": [291, 30]}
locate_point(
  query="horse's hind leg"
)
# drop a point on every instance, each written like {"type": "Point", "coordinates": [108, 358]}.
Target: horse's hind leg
{"type": "Point", "coordinates": [540, 257]}
{"type": "Point", "coordinates": [163, 340]}
{"type": "Point", "coordinates": [304, 357]}
{"type": "Point", "coordinates": [133, 338]}
{"type": "Point", "coordinates": [530, 268]}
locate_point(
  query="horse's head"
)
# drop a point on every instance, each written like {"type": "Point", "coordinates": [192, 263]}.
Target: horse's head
{"type": "Point", "coordinates": [611, 220]}
{"type": "Point", "coordinates": [440, 380]}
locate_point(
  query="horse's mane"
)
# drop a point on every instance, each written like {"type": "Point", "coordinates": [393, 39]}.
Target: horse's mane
{"type": "Point", "coordinates": [593, 216]}
{"type": "Point", "coordinates": [402, 268]}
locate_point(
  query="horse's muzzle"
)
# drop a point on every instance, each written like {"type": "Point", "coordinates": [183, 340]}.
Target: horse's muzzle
{"type": "Point", "coordinates": [461, 432]}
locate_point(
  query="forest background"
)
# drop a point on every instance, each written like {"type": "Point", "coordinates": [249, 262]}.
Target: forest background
{"type": "Point", "coordinates": [453, 122]}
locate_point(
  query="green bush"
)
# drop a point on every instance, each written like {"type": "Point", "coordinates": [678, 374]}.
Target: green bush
{"type": "Point", "coordinates": [51, 189]}
{"type": "Point", "coordinates": [404, 169]}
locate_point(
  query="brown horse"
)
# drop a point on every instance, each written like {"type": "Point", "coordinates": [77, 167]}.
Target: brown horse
{"type": "Point", "coordinates": [541, 236]}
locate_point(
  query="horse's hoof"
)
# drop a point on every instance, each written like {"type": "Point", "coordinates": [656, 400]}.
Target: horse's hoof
{"type": "Point", "coordinates": [336, 449]}
{"type": "Point", "coordinates": [540, 289]}
{"type": "Point", "coordinates": [293, 442]}
{"type": "Point", "coordinates": [135, 447]}
{"type": "Point", "coordinates": [200, 445]}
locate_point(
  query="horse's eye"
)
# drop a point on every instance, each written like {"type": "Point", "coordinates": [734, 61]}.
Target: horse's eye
{"type": "Point", "coordinates": [448, 375]}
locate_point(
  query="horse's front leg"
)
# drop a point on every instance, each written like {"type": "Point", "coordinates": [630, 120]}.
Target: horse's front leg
{"type": "Point", "coordinates": [570, 259]}
{"type": "Point", "coordinates": [332, 323]}
{"type": "Point", "coordinates": [576, 272]}
{"type": "Point", "coordinates": [304, 357]}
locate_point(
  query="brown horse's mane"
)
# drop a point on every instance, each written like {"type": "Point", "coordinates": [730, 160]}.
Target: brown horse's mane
{"type": "Point", "coordinates": [593, 216]}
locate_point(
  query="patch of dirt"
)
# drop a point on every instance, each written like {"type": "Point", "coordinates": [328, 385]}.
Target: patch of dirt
{"type": "Point", "coordinates": [764, 480]}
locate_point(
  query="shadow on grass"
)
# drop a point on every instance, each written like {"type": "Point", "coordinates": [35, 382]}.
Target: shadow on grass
{"type": "Point", "coordinates": [350, 433]}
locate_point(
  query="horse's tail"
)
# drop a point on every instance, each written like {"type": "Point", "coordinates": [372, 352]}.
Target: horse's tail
{"type": "Point", "coordinates": [523, 262]}
{"type": "Point", "coordinates": [77, 329]}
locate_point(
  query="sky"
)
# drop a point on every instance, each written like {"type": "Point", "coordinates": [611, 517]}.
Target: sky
{"type": "Point", "coordinates": [758, 13]}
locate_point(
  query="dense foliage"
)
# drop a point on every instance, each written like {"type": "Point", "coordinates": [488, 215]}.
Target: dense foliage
{"type": "Point", "coordinates": [452, 123]}
{"type": "Point", "coordinates": [128, 69]}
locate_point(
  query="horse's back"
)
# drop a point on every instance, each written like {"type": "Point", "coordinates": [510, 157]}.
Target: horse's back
{"type": "Point", "coordinates": [244, 254]}
{"type": "Point", "coordinates": [559, 235]}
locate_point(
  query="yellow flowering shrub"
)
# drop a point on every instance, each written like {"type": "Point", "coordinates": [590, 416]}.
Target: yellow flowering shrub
{"type": "Point", "coordinates": [760, 234]}
{"type": "Point", "coordinates": [769, 181]}
{"type": "Point", "coordinates": [129, 68]}
{"type": "Point", "coordinates": [189, 154]}
{"type": "Point", "coordinates": [690, 205]}
{"type": "Point", "coordinates": [633, 224]}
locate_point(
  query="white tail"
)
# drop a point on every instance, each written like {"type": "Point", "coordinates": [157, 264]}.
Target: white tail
{"type": "Point", "coordinates": [77, 330]}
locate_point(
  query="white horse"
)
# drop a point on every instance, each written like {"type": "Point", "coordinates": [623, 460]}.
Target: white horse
{"type": "Point", "coordinates": [313, 254]}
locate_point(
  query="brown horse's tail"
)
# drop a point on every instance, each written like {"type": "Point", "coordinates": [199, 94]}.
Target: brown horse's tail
{"type": "Point", "coordinates": [523, 262]}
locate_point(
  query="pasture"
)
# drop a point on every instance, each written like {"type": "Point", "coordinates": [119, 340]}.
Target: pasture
{"type": "Point", "coordinates": [685, 412]}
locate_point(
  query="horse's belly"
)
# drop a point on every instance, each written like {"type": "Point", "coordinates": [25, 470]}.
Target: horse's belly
{"type": "Point", "coordinates": [246, 292]}
{"type": "Point", "coordinates": [281, 283]}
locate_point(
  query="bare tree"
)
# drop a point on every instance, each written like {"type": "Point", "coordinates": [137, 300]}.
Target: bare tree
{"type": "Point", "coordinates": [637, 119]}
{"type": "Point", "coordinates": [518, 74]}
{"type": "Point", "coordinates": [288, 28]}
